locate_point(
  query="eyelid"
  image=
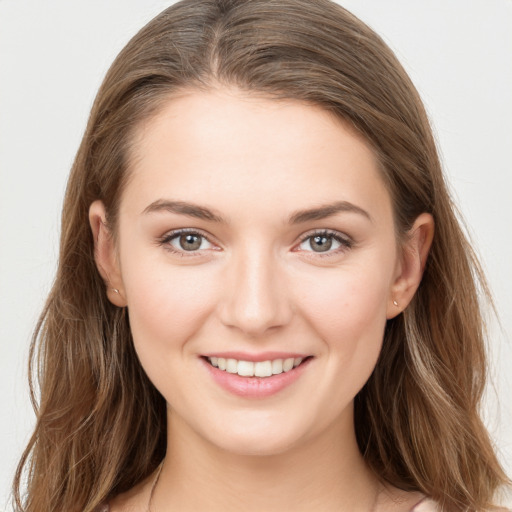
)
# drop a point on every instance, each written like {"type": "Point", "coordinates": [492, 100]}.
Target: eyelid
{"type": "Point", "coordinates": [325, 231]}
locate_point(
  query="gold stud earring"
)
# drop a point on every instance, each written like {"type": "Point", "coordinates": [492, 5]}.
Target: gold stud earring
{"type": "Point", "coordinates": [395, 303]}
{"type": "Point", "coordinates": [115, 290]}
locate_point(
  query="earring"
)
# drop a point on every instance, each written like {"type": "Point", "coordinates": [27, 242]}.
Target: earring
{"type": "Point", "coordinates": [395, 303]}
{"type": "Point", "coordinates": [115, 290]}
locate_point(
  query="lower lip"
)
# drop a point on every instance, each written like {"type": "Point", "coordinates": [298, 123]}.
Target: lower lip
{"type": "Point", "coordinates": [255, 387]}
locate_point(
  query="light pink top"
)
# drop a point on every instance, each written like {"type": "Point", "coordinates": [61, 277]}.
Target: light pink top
{"type": "Point", "coordinates": [424, 505]}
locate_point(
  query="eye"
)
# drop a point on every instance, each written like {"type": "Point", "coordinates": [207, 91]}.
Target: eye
{"type": "Point", "coordinates": [186, 241]}
{"type": "Point", "coordinates": [326, 242]}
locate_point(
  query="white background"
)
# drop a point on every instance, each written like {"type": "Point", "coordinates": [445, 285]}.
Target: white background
{"type": "Point", "coordinates": [53, 56]}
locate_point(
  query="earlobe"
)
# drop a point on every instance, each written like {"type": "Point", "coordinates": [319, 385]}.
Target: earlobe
{"type": "Point", "coordinates": [413, 258]}
{"type": "Point", "coordinates": [105, 254]}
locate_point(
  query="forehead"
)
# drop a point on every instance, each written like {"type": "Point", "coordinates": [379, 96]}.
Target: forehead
{"type": "Point", "coordinates": [226, 146]}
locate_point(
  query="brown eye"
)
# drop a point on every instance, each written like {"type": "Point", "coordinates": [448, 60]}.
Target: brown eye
{"type": "Point", "coordinates": [325, 242]}
{"type": "Point", "coordinates": [320, 243]}
{"type": "Point", "coordinates": [186, 241]}
{"type": "Point", "coordinates": [190, 242]}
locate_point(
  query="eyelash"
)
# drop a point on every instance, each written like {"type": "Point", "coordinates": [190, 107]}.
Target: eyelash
{"type": "Point", "coordinates": [345, 242]}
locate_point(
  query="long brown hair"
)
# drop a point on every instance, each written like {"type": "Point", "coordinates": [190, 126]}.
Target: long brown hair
{"type": "Point", "coordinates": [101, 423]}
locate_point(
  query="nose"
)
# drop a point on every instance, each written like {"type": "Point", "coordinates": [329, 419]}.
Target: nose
{"type": "Point", "coordinates": [255, 298]}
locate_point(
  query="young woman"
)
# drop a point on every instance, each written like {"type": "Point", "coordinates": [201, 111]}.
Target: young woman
{"type": "Point", "coordinates": [264, 300]}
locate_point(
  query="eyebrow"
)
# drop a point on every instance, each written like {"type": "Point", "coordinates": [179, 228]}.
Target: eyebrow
{"type": "Point", "coordinates": [327, 210]}
{"type": "Point", "coordinates": [298, 217]}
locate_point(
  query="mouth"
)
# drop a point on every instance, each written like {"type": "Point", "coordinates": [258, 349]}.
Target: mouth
{"type": "Point", "coordinates": [256, 379]}
{"type": "Point", "coordinates": [261, 369]}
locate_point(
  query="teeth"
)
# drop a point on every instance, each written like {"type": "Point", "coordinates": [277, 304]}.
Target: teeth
{"type": "Point", "coordinates": [245, 368]}
{"type": "Point", "coordinates": [259, 369]}
{"type": "Point", "coordinates": [277, 366]}
{"type": "Point", "coordinates": [288, 364]}
{"type": "Point", "coordinates": [263, 369]}
{"type": "Point", "coordinates": [231, 365]}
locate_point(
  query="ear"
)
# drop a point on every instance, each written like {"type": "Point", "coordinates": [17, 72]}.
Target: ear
{"type": "Point", "coordinates": [105, 254]}
{"type": "Point", "coordinates": [411, 264]}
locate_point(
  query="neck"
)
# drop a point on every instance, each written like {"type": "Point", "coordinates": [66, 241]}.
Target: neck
{"type": "Point", "coordinates": [326, 473]}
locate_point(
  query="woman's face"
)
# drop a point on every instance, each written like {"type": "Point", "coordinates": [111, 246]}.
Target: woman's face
{"type": "Point", "coordinates": [257, 231]}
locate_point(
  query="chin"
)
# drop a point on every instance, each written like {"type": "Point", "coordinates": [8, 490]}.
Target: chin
{"type": "Point", "coordinates": [257, 439]}
{"type": "Point", "coordinates": [261, 448]}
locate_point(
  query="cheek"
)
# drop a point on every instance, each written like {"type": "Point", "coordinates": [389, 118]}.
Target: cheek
{"type": "Point", "coordinates": [348, 315]}
{"type": "Point", "coordinates": [166, 303]}
{"type": "Point", "coordinates": [346, 298]}
{"type": "Point", "coordinates": [347, 310]}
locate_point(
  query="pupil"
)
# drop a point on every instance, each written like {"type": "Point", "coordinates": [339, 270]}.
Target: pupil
{"type": "Point", "coordinates": [190, 242]}
{"type": "Point", "coordinates": [321, 243]}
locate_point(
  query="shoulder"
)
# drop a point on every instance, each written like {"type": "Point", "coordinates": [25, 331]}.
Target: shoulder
{"type": "Point", "coordinates": [393, 499]}
{"type": "Point", "coordinates": [426, 505]}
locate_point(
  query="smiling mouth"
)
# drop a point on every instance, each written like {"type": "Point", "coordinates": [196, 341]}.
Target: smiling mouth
{"type": "Point", "coordinates": [256, 369]}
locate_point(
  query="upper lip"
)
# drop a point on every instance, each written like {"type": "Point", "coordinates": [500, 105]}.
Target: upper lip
{"type": "Point", "coordinates": [261, 356]}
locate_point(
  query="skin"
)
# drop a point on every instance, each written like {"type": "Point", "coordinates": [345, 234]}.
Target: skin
{"type": "Point", "coordinates": [256, 284]}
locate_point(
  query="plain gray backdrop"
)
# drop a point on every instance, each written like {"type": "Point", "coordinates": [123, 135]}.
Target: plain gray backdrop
{"type": "Point", "coordinates": [53, 56]}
